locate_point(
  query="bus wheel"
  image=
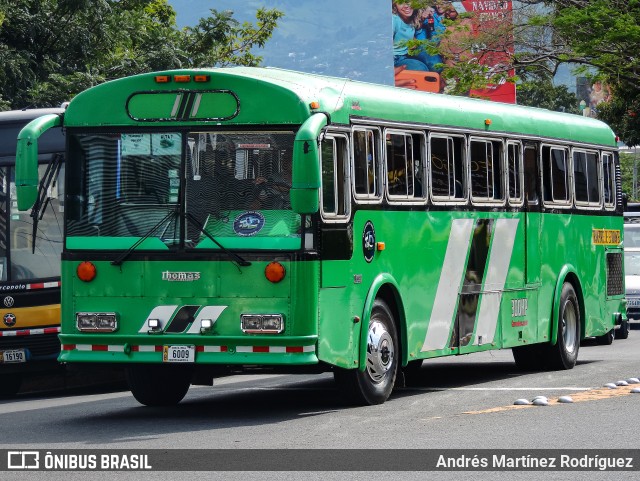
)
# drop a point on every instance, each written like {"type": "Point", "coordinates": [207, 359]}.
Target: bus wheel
{"type": "Point", "coordinates": [10, 385]}
{"type": "Point", "coordinates": [158, 385]}
{"type": "Point", "coordinates": [623, 331]}
{"type": "Point", "coordinates": [565, 352]}
{"type": "Point", "coordinates": [375, 383]}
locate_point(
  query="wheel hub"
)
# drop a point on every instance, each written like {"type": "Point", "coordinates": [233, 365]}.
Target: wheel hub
{"type": "Point", "coordinates": [380, 351]}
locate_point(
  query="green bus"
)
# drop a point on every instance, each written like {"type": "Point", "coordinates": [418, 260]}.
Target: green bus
{"type": "Point", "coordinates": [264, 217]}
{"type": "Point", "coordinates": [30, 247]}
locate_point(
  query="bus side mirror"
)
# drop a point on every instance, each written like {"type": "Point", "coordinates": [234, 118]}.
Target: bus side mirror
{"type": "Point", "coordinates": [305, 186]}
{"type": "Point", "coordinates": [27, 159]}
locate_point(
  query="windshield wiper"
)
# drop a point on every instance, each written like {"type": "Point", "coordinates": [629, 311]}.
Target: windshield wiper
{"type": "Point", "coordinates": [42, 201]}
{"type": "Point", "coordinates": [126, 254]}
{"type": "Point", "coordinates": [232, 255]}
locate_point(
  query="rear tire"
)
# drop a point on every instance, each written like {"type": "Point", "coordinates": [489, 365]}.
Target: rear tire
{"type": "Point", "coordinates": [375, 383]}
{"type": "Point", "coordinates": [564, 353]}
{"type": "Point", "coordinates": [623, 331]}
{"type": "Point", "coordinates": [158, 385]}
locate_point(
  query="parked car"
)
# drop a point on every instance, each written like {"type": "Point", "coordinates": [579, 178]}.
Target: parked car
{"type": "Point", "coordinates": [632, 271]}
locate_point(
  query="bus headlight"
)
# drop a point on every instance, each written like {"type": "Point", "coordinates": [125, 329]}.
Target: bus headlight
{"type": "Point", "coordinates": [96, 321]}
{"type": "Point", "coordinates": [262, 323]}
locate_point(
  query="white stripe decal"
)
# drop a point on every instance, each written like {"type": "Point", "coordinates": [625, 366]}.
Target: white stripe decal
{"type": "Point", "coordinates": [176, 105]}
{"type": "Point", "coordinates": [444, 304]}
{"type": "Point", "coordinates": [207, 312]}
{"type": "Point", "coordinates": [213, 349]}
{"type": "Point", "coordinates": [84, 347]}
{"type": "Point", "coordinates": [147, 348]}
{"type": "Point", "coordinates": [504, 237]}
{"type": "Point", "coordinates": [244, 349]}
{"type": "Point", "coordinates": [162, 313]}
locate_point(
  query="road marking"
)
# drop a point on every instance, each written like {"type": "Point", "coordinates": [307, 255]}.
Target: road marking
{"type": "Point", "coordinates": [590, 395]}
{"type": "Point", "coordinates": [563, 388]}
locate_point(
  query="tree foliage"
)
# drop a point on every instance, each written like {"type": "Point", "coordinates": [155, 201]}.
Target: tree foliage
{"type": "Point", "coordinates": [540, 91]}
{"type": "Point", "coordinates": [600, 37]}
{"type": "Point", "coordinates": [53, 49]}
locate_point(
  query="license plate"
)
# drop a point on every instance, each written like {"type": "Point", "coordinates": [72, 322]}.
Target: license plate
{"type": "Point", "coordinates": [633, 302]}
{"type": "Point", "coordinates": [178, 354]}
{"type": "Point", "coordinates": [15, 355]}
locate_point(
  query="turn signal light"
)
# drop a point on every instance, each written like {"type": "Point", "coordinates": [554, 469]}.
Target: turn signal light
{"type": "Point", "coordinates": [86, 271]}
{"type": "Point", "coordinates": [274, 272]}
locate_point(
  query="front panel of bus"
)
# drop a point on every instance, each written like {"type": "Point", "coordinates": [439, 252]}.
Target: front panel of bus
{"type": "Point", "coordinates": [181, 246]}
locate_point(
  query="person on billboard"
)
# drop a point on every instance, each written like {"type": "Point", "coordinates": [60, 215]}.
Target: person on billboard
{"type": "Point", "coordinates": [403, 32]}
{"type": "Point", "coordinates": [429, 28]}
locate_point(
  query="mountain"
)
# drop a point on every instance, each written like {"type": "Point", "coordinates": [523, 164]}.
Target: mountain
{"type": "Point", "coordinates": [343, 38]}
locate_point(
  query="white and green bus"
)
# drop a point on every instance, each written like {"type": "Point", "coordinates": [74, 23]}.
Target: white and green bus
{"type": "Point", "coordinates": [263, 217]}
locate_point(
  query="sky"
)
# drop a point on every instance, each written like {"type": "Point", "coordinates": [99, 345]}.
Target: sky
{"type": "Point", "coordinates": [343, 38]}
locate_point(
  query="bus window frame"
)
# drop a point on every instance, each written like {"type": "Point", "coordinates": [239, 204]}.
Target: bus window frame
{"type": "Point", "coordinates": [514, 201]}
{"type": "Point", "coordinates": [553, 203]}
{"type": "Point", "coordinates": [405, 199]}
{"type": "Point", "coordinates": [580, 204]}
{"type": "Point", "coordinates": [609, 206]}
{"type": "Point", "coordinates": [487, 201]}
{"type": "Point", "coordinates": [367, 198]}
{"type": "Point", "coordinates": [329, 217]}
{"type": "Point", "coordinates": [448, 200]}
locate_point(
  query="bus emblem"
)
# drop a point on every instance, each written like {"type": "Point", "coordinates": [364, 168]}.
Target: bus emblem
{"type": "Point", "coordinates": [9, 320]}
{"type": "Point", "coordinates": [8, 301]}
{"type": "Point", "coordinates": [368, 241]}
{"type": "Point", "coordinates": [248, 223]}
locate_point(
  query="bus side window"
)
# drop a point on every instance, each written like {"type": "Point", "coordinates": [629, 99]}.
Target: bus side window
{"type": "Point", "coordinates": [335, 191]}
{"type": "Point", "coordinates": [365, 163]}
{"type": "Point", "coordinates": [514, 172]}
{"type": "Point", "coordinates": [531, 174]}
{"type": "Point", "coordinates": [585, 177]}
{"type": "Point", "coordinates": [555, 182]}
{"type": "Point", "coordinates": [400, 164]}
{"type": "Point", "coordinates": [609, 177]}
{"type": "Point", "coordinates": [447, 169]}
{"type": "Point", "coordinates": [486, 170]}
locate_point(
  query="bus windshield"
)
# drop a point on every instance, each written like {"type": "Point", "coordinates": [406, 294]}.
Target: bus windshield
{"type": "Point", "coordinates": [229, 186]}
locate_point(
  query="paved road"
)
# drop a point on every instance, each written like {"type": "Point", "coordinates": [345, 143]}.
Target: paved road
{"type": "Point", "coordinates": [457, 403]}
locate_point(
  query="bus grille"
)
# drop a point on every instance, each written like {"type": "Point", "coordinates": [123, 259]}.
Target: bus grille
{"type": "Point", "coordinates": [614, 274]}
{"type": "Point", "coordinates": [37, 344]}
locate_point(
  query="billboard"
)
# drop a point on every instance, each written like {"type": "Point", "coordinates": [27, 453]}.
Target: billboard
{"type": "Point", "coordinates": [431, 35]}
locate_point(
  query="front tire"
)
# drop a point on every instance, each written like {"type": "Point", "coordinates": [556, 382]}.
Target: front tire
{"type": "Point", "coordinates": [564, 353]}
{"type": "Point", "coordinates": [375, 383]}
{"type": "Point", "coordinates": [158, 385]}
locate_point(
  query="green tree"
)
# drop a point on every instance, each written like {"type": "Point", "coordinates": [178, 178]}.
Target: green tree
{"type": "Point", "coordinates": [52, 49]}
{"type": "Point", "coordinates": [601, 37]}
{"type": "Point", "coordinates": [539, 91]}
